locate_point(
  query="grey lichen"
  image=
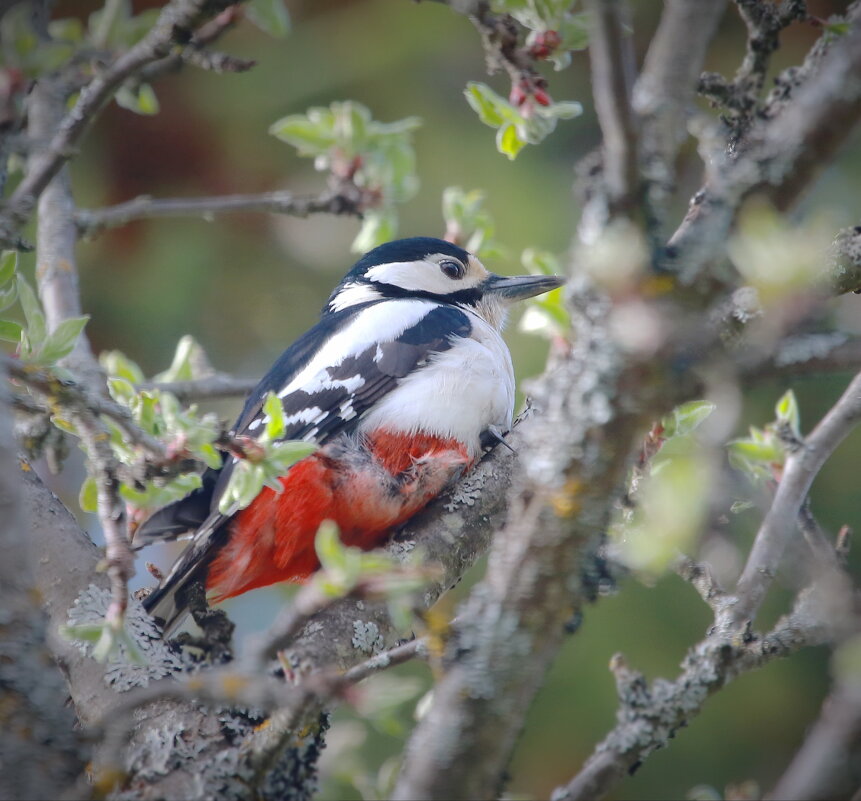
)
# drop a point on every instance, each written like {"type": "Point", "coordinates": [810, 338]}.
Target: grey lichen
{"type": "Point", "coordinates": [121, 672]}
{"type": "Point", "coordinates": [468, 490]}
{"type": "Point", "coordinates": [203, 756]}
{"type": "Point", "coordinates": [367, 637]}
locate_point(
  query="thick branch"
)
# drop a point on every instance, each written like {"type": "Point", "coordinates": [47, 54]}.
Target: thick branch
{"type": "Point", "coordinates": [41, 751]}
{"type": "Point", "coordinates": [91, 222]}
{"type": "Point", "coordinates": [664, 92]}
{"type": "Point", "coordinates": [569, 472]}
{"type": "Point", "coordinates": [800, 469]}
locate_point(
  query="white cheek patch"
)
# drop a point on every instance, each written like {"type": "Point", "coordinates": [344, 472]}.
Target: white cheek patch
{"type": "Point", "coordinates": [418, 276]}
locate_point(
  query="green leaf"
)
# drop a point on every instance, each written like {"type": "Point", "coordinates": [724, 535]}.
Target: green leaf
{"type": "Point", "coordinates": [787, 412]}
{"type": "Point", "coordinates": [840, 28]}
{"type": "Point", "coordinates": [10, 331]}
{"type": "Point", "coordinates": [757, 451]}
{"type": "Point", "coordinates": [486, 103]}
{"type": "Point", "coordinates": [121, 390]}
{"type": "Point", "coordinates": [209, 456]}
{"type": "Point", "coordinates": [574, 31]}
{"type": "Point", "coordinates": [68, 30]}
{"type": "Point", "coordinates": [107, 645]}
{"type": "Point", "coordinates": [686, 418]}
{"type": "Point", "coordinates": [377, 227]}
{"type": "Point", "coordinates": [146, 411]}
{"type": "Point", "coordinates": [85, 632]}
{"type": "Point", "coordinates": [273, 408]}
{"type": "Point", "coordinates": [565, 110]}
{"type": "Point", "coordinates": [331, 552]}
{"type": "Point", "coordinates": [88, 497]}
{"type": "Point", "coordinates": [508, 141]}
{"type": "Point", "coordinates": [64, 425]}
{"type": "Point", "coordinates": [61, 341]}
{"type": "Point", "coordinates": [106, 26]}
{"type": "Point", "coordinates": [270, 16]}
{"type": "Point", "coordinates": [140, 99]}
{"type": "Point", "coordinates": [182, 368]}
{"type": "Point", "coordinates": [118, 364]}
{"type": "Point", "coordinates": [309, 137]}
{"type": "Point", "coordinates": [8, 266]}
{"type": "Point", "coordinates": [8, 296]}
{"type": "Point", "coordinates": [154, 496]}
{"type": "Point", "coordinates": [540, 262]}
{"type": "Point", "coordinates": [244, 486]}
{"type": "Point", "coordinates": [36, 328]}
{"type": "Point", "coordinates": [283, 455]}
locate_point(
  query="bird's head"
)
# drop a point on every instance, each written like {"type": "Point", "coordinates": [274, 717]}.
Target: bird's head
{"type": "Point", "coordinates": [424, 267]}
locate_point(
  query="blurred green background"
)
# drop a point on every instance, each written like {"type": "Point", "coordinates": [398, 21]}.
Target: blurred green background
{"type": "Point", "coordinates": [245, 286]}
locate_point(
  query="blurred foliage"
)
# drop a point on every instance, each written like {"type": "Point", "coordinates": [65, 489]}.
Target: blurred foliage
{"type": "Point", "coordinates": [377, 157]}
{"type": "Point", "coordinates": [250, 284]}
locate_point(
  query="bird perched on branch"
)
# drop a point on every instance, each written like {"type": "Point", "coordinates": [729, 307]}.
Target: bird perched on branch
{"type": "Point", "coordinates": [400, 384]}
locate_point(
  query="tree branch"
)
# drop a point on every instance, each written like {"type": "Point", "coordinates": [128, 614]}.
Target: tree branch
{"type": "Point", "coordinates": [664, 92]}
{"type": "Point", "coordinates": [801, 132]}
{"type": "Point", "coordinates": [612, 58]}
{"type": "Point", "coordinates": [174, 26]}
{"type": "Point", "coordinates": [799, 471]}
{"type": "Point", "coordinates": [92, 222]}
{"type": "Point", "coordinates": [42, 752]}
{"type": "Point", "coordinates": [648, 717]}
{"type": "Point", "coordinates": [219, 385]}
{"type": "Point", "coordinates": [845, 266]}
{"type": "Point", "coordinates": [537, 573]}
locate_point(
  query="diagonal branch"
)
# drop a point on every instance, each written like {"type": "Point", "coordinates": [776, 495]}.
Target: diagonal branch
{"type": "Point", "coordinates": [800, 469]}
{"type": "Point", "coordinates": [649, 716]}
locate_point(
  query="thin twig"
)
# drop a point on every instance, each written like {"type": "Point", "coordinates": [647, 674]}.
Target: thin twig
{"type": "Point", "coordinates": [91, 222]}
{"type": "Point", "coordinates": [68, 395]}
{"type": "Point", "coordinates": [195, 52]}
{"type": "Point", "coordinates": [219, 385]}
{"type": "Point", "coordinates": [104, 468]}
{"type": "Point", "coordinates": [800, 469]}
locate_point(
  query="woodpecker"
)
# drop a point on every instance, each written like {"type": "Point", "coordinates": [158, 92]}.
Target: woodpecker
{"type": "Point", "coordinates": [401, 384]}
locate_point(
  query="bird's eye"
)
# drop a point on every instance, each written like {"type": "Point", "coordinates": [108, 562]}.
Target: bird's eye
{"type": "Point", "coordinates": [453, 269]}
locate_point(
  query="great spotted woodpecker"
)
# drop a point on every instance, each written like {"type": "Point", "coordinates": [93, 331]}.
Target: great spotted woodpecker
{"type": "Point", "coordinates": [400, 383]}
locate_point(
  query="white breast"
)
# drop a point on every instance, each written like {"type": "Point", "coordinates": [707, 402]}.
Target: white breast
{"type": "Point", "coordinates": [458, 394]}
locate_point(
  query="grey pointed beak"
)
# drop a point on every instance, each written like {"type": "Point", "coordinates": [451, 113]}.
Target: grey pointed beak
{"type": "Point", "coordinates": [520, 287]}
